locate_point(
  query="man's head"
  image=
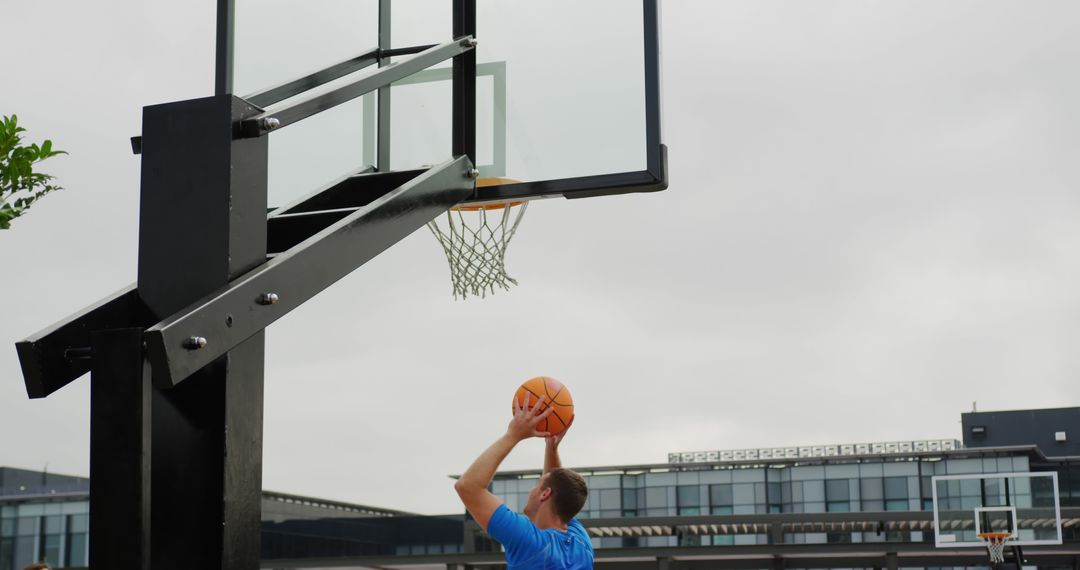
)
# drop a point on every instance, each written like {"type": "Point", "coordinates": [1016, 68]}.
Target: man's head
{"type": "Point", "coordinates": [561, 491]}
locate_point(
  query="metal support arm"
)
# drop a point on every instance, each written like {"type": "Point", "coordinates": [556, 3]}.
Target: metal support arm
{"type": "Point", "coordinates": [206, 330]}
{"type": "Point", "coordinates": [314, 104]}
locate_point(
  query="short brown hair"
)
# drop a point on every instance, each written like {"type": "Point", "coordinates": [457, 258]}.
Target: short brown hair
{"type": "Point", "coordinates": [568, 492]}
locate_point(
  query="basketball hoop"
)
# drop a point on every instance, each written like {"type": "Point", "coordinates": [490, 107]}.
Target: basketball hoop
{"type": "Point", "coordinates": [475, 241]}
{"type": "Point", "coordinates": [995, 544]}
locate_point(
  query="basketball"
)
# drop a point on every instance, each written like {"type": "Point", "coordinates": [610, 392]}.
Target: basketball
{"type": "Point", "coordinates": [558, 397]}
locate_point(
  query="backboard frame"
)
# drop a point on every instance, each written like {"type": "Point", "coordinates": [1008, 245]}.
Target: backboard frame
{"type": "Point", "coordinates": [653, 177]}
{"type": "Point", "coordinates": [949, 540]}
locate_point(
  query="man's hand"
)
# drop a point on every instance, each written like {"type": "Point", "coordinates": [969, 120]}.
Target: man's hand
{"type": "Point", "coordinates": [556, 439]}
{"type": "Point", "coordinates": [523, 425]}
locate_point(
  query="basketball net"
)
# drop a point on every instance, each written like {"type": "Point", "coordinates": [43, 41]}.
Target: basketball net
{"type": "Point", "coordinates": [474, 239]}
{"type": "Point", "coordinates": [995, 545]}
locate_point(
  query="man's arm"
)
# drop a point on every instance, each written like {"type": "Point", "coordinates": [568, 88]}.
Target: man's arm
{"type": "Point", "coordinates": [551, 449]}
{"type": "Point", "coordinates": [473, 484]}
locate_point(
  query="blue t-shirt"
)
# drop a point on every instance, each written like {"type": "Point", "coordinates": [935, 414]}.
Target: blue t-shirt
{"type": "Point", "coordinates": [528, 547]}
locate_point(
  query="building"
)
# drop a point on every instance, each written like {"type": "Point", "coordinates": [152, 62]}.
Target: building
{"type": "Point", "coordinates": [827, 506]}
{"type": "Point", "coordinates": [734, 485]}
{"type": "Point", "coordinates": [45, 516]}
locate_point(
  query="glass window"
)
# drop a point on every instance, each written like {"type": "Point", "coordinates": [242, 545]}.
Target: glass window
{"type": "Point", "coordinates": [743, 493]}
{"type": "Point", "coordinates": [896, 488]}
{"type": "Point", "coordinates": [961, 466]}
{"type": "Point", "coordinates": [873, 505]}
{"type": "Point", "coordinates": [896, 505]}
{"type": "Point", "coordinates": [609, 499]}
{"type": "Point", "coordinates": [76, 550]}
{"type": "Point", "coordinates": [841, 471]}
{"type": "Point", "coordinates": [689, 496]}
{"type": "Point", "coordinates": [837, 495]}
{"type": "Point", "coordinates": [78, 523]}
{"type": "Point", "coordinates": [774, 496]}
{"type": "Point", "coordinates": [871, 489]}
{"type": "Point", "coordinates": [52, 549]}
{"type": "Point", "coordinates": [688, 478]}
{"type": "Point", "coordinates": [1042, 489]}
{"type": "Point", "coordinates": [719, 510]}
{"type": "Point", "coordinates": [31, 510]}
{"type": "Point", "coordinates": [7, 527]}
{"type": "Point", "coordinates": [904, 468]}
{"type": "Point", "coordinates": [837, 490]}
{"type": "Point", "coordinates": [604, 482]}
{"type": "Point", "coordinates": [813, 491]}
{"type": "Point", "coordinates": [838, 506]}
{"type": "Point", "coordinates": [658, 479]}
{"type": "Point", "coordinates": [870, 470]}
{"type": "Point", "coordinates": [27, 526]}
{"type": "Point", "coordinates": [656, 497]}
{"type": "Point", "coordinates": [629, 498]}
{"type": "Point", "coordinates": [994, 492]}
{"type": "Point", "coordinates": [716, 476]}
{"type": "Point", "coordinates": [54, 524]}
{"type": "Point", "coordinates": [838, 538]}
{"type": "Point", "coordinates": [720, 495]}
{"type": "Point", "coordinates": [805, 472]}
{"type": "Point", "coordinates": [24, 551]}
{"type": "Point", "coordinates": [7, 551]}
{"type": "Point", "coordinates": [748, 475]}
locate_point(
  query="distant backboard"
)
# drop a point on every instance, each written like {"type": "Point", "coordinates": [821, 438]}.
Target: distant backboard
{"type": "Point", "coordinates": [567, 93]}
{"type": "Point", "coordinates": [1026, 505]}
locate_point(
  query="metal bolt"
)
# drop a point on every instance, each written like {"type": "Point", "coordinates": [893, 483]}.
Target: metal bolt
{"type": "Point", "coordinates": [469, 42]}
{"type": "Point", "coordinates": [269, 123]}
{"type": "Point", "coordinates": [268, 298]}
{"type": "Point", "coordinates": [473, 173]}
{"type": "Point", "coordinates": [195, 343]}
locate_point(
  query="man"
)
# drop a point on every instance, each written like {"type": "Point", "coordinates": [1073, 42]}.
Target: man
{"type": "Point", "coordinates": [547, 536]}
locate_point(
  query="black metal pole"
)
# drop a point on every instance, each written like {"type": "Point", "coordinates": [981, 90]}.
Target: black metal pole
{"type": "Point", "coordinates": [202, 223]}
{"type": "Point", "coordinates": [223, 57]}
{"type": "Point", "coordinates": [464, 86]}
{"type": "Point", "coordinates": [119, 451]}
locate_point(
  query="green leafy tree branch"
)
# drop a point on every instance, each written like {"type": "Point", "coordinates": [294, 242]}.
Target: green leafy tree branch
{"type": "Point", "coordinates": [20, 186]}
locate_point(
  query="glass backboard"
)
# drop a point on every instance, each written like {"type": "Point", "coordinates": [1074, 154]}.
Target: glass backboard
{"type": "Point", "coordinates": [1027, 505]}
{"type": "Point", "coordinates": [567, 93]}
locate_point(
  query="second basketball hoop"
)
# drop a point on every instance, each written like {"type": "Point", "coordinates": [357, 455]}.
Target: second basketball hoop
{"type": "Point", "coordinates": [474, 238]}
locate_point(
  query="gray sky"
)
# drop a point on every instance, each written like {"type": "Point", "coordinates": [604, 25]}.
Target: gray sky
{"type": "Point", "coordinates": [872, 222]}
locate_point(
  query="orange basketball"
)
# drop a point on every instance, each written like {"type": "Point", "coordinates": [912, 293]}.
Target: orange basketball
{"type": "Point", "coordinates": [558, 397]}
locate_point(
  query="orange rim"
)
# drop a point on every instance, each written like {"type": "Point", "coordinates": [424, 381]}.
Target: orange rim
{"type": "Point", "coordinates": [494, 206]}
{"type": "Point", "coordinates": [485, 183]}
{"type": "Point", "coordinates": [994, 536]}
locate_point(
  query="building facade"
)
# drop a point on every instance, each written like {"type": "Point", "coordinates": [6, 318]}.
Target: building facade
{"type": "Point", "coordinates": [825, 484]}
{"type": "Point", "coordinates": [826, 500]}
{"type": "Point", "coordinates": [845, 478]}
{"type": "Point", "coordinates": [45, 516]}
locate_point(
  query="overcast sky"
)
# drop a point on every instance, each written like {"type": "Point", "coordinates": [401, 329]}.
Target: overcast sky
{"type": "Point", "coordinates": [873, 221]}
